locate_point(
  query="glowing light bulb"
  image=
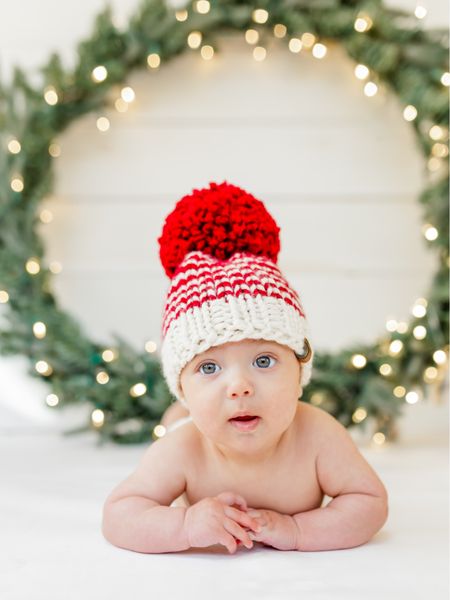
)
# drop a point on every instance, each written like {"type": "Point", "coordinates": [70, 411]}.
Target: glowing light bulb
{"type": "Point", "coordinates": [430, 374]}
{"type": "Point", "coordinates": [359, 415]}
{"type": "Point", "coordinates": [108, 355]}
{"type": "Point", "coordinates": [194, 39]}
{"type": "Point", "coordinates": [103, 124]}
{"type": "Point", "coordinates": [399, 391]}
{"type": "Point", "coordinates": [410, 113]}
{"type": "Point", "coordinates": [359, 361]}
{"type": "Point", "coordinates": [50, 95]}
{"type": "Point", "coordinates": [420, 12]}
{"type": "Point", "coordinates": [385, 369]}
{"type": "Point", "coordinates": [52, 400]}
{"type": "Point", "coordinates": [363, 23]}
{"type": "Point", "coordinates": [279, 30]}
{"type": "Point", "coordinates": [43, 368]}
{"type": "Point", "coordinates": [99, 74]}
{"type": "Point", "coordinates": [181, 15]}
{"type": "Point", "coordinates": [14, 146]}
{"type": "Point", "coordinates": [319, 51]}
{"type": "Point", "coordinates": [260, 15]}
{"type": "Point", "coordinates": [436, 132]}
{"type": "Point", "coordinates": [121, 106]}
{"type": "Point", "coordinates": [4, 297]}
{"type": "Point", "coordinates": [439, 150]}
{"type": "Point", "coordinates": [46, 216]}
{"type": "Point", "coordinates": [39, 330]}
{"type": "Point", "coordinates": [97, 417]}
{"type": "Point", "coordinates": [153, 60]}
{"type": "Point", "coordinates": [445, 79]}
{"type": "Point", "coordinates": [202, 7]}
{"type": "Point", "coordinates": [419, 311]}
{"type": "Point", "coordinates": [159, 431]}
{"type": "Point", "coordinates": [412, 397]}
{"type": "Point", "coordinates": [55, 267]}
{"type": "Point", "coordinates": [207, 52]}
{"type": "Point", "coordinates": [440, 357]}
{"type": "Point", "coordinates": [361, 71]}
{"type": "Point", "coordinates": [370, 89]}
{"type": "Point", "coordinates": [395, 347]}
{"type": "Point", "coordinates": [308, 39]}
{"type": "Point", "coordinates": [391, 325]}
{"type": "Point", "coordinates": [17, 184]}
{"type": "Point", "coordinates": [150, 346]}
{"type": "Point", "coordinates": [419, 332]}
{"type": "Point", "coordinates": [138, 389]}
{"type": "Point", "coordinates": [430, 232]}
{"type": "Point", "coordinates": [251, 36]}
{"type": "Point", "coordinates": [295, 45]}
{"type": "Point", "coordinates": [102, 377]}
{"type": "Point", "coordinates": [379, 438]}
{"type": "Point", "coordinates": [127, 94]}
{"type": "Point", "coordinates": [402, 327]}
{"type": "Point", "coordinates": [32, 266]}
{"type": "Point", "coordinates": [259, 53]}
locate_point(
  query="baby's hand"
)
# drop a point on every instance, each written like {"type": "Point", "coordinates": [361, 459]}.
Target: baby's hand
{"type": "Point", "coordinates": [278, 530]}
{"type": "Point", "coordinates": [217, 521]}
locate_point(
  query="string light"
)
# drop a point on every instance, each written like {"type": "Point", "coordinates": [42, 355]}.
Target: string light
{"type": "Point", "coordinates": [43, 368]}
{"type": "Point", "coordinates": [440, 357]}
{"type": "Point", "coordinates": [370, 89]}
{"type": "Point", "coordinates": [379, 438]}
{"type": "Point", "coordinates": [251, 36]}
{"type": "Point", "coordinates": [108, 355]}
{"type": "Point", "coordinates": [419, 309]}
{"type": "Point", "coordinates": [385, 369]}
{"type": "Point", "coordinates": [46, 216]}
{"type": "Point", "coordinates": [14, 146]}
{"type": "Point", "coordinates": [399, 391]}
{"type": "Point", "coordinates": [17, 184]}
{"type": "Point", "coordinates": [319, 50]}
{"type": "Point", "coordinates": [127, 94]}
{"type": "Point", "coordinates": [359, 361]}
{"type": "Point", "coordinates": [55, 267]}
{"type": "Point", "coordinates": [202, 7]}
{"type": "Point", "coordinates": [420, 12]}
{"type": "Point", "coordinates": [308, 39]}
{"type": "Point", "coordinates": [50, 95]}
{"type": "Point", "coordinates": [4, 297]}
{"type": "Point", "coordinates": [32, 266]}
{"type": "Point", "coordinates": [430, 232]}
{"type": "Point", "coordinates": [420, 332]}
{"type": "Point", "coordinates": [150, 346]}
{"type": "Point", "coordinates": [153, 60]}
{"type": "Point", "coordinates": [259, 53]}
{"type": "Point", "coordinates": [194, 39]}
{"type": "Point", "coordinates": [54, 150]}
{"type": "Point", "coordinates": [181, 15]}
{"type": "Point", "coordinates": [279, 30]}
{"type": "Point", "coordinates": [317, 398]}
{"type": "Point", "coordinates": [138, 389]}
{"type": "Point", "coordinates": [99, 74]}
{"type": "Point", "coordinates": [39, 330]}
{"type": "Point", "coordinates": [402, 327]}
{"type": "Point", "coordinates": [391, 325]}
{"type": "Point", "coordinates": [436, 132]}
{"type": "Point", "coordinates": [395, 347]}
{"type": "Point", "coordinates": [361, 72]}
{"type": "Point", "coordinates": [98, 417]}
{"type": "Point", "coordinates": [363, 23]}
{"type": "Point", "coordinates": [52, 400]}
{"type": "Point", "coordinates": [412, 397]}
{"type": "Point", "coordinates": [102, 377]}
{"type": "Point", "coordinates": [295, 45]}
{"type": "Point", "coordinates": [359, 415]}
{"type": "Point", "coordinates": [207, 52]}
{"type": "Point", "coordinates": [434, 164]}
{"type": "Point", "coordinates": [430, 374]}
{"type": "Point", "coordinates": [445, 79]}
{"type": "Point", "coordinates": [440, 150]}
{"type": "Point", "coordinates": [103, 124]}
{"type": "Point", "coordinates": [260, 15]}
{"type": "Point", "coordinates": [159, 431]}
{"type": "Point", "coordinates": [410, 113]}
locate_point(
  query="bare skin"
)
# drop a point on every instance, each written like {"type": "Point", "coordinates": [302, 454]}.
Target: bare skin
{"type": "Point", "coordinates": [240, 486]}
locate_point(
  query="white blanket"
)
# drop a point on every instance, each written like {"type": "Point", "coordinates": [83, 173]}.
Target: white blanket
{"type": "Point", "coordinates": [51, 496]}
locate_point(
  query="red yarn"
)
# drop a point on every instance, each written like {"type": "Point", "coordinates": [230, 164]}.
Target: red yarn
{"type": "Point", "coordinates": [219, 221]}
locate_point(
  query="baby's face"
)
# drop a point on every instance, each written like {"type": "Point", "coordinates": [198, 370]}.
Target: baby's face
{"type": "Point", "coordinates": [255, 377]}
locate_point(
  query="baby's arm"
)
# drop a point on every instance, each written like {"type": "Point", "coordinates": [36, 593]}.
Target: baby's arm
{"type": "Point", "coordinates": [359, 505]}
{"type": "Point", "coordinates": [137, 514]}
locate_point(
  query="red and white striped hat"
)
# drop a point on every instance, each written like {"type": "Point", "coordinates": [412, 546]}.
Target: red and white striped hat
{"type": "Point", "coordinates": [220, 246]}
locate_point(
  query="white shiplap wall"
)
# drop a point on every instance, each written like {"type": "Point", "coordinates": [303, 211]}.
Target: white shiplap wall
{"type": "Point", "coordinates": [339, 172]}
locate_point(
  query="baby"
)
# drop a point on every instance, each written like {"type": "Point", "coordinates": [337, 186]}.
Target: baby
{"type": "Point", "coordinates": [251, 463]}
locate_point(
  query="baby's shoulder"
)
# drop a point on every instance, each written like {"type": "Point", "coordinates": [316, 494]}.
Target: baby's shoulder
{"type": "Point", "coordinates": [315, 424]}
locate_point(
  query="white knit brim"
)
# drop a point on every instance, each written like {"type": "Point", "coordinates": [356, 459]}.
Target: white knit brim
{"type": "Point", "coordinates": [230, 320]}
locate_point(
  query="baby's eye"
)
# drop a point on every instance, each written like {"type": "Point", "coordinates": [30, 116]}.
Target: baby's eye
{"type": "Point", "coordinates": [208, 368]}
{"type": "Point", "coordinates": [264, 361]}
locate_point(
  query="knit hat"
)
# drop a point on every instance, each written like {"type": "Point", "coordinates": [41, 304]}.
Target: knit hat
{"type": "Point", "coordinates": [220, 246]}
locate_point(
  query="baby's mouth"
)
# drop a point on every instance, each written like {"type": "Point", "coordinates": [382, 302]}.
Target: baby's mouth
{"type": "Point", "coordinates": [245, 422]}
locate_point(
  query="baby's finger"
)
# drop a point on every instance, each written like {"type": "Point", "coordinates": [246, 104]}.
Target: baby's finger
{"type": "Point", "coordinates": [229, 542]}
{"type": "Point", "coordinates": [242, 518]}
{"type": "Point", "coordinates": [231, 498]}
{"type": "Point", "coordinates": [237, 532]}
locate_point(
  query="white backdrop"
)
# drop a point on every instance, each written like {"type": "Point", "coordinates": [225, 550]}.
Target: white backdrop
{"type": "Point", "coordinates": [339, 171]}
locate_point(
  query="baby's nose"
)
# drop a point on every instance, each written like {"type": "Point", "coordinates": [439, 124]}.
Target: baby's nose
{"type": "Point", "coordinates": [240, 388]}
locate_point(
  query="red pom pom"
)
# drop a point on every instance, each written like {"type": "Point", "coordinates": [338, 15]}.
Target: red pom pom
{"type": "Point", "coordinates": [219, 221]}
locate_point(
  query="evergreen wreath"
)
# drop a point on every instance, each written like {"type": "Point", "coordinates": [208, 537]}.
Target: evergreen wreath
{"type": "Point", "coordinates": [125, 388]}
